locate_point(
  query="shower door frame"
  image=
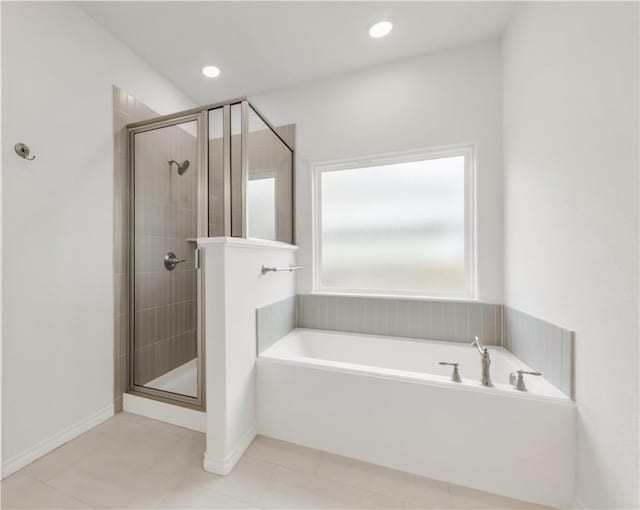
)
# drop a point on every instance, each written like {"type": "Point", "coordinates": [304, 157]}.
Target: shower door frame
{"type": "Point", "coordinates": [202, 137]}
{"type": "Point", "coordinates": [229, 227]}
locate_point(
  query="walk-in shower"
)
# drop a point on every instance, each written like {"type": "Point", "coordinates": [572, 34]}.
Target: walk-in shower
{"type": "Point", "coordinates": [230, 174]}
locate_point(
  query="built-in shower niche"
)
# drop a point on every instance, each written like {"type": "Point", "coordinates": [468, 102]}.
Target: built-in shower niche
{"type": "Point", "coordinates": [220, 170]}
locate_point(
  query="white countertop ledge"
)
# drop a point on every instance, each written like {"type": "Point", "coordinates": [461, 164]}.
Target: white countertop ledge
{"type": "Point", "coordinates": [241, 242]}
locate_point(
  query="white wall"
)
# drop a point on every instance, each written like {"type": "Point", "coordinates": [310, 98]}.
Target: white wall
{"type": "Point", "coordinates": [234, 288]}
{"type": "Point", "coordinates": [57, 74]}
{"type": "Point", "coordinates": [439, 99]}
{"type": "Point", "coordinates": [571, 215]}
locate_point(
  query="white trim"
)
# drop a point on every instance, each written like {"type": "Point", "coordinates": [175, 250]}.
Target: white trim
{"type": "Point", "coordinates": [224, 466]}
{"type": "Point", "coordinates": [168, 413]}
{"type": "Point", "coordinates": [410, 297]}
{"type": "Point", "coordinates": [469, 151]}
{"type": "Point", "coordinates": [48, 445]}
{"type": "Point", "coordinates": [241, 242]}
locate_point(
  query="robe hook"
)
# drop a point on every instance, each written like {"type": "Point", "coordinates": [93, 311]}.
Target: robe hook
{"type": "Point", "coordinates": [23, 151]}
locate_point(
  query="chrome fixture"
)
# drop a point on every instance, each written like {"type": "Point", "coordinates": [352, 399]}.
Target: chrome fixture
{"type": "Point", "coordinates": [171, 261]}
{"type": "Point", "coordinates": [23, 150]}
{"type": "Point", "coordinates": [182, 167]}
{"type": "Point", "coordinates": [271, 269]}
{"type": "Point", "coordinates": [517, 381]}
{"type": "Point", "coordinates": [455, 376]}
{"type": "Point", "coordinates": [486, 362]}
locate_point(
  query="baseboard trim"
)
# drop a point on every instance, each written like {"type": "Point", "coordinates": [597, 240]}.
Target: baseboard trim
{"type": "Point", "coordinates": [224, 466]}
{"type": "Point", "coordinates": [168, 413]}
{"type": "Point", "coordinates": [40, 449]}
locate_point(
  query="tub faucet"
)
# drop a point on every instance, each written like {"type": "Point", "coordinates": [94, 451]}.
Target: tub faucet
{"type": "Point", "coordinates": [486, 362]}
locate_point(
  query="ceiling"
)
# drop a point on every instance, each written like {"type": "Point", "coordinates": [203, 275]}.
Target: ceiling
{"type": "Point", "coordinates": [261, 46]}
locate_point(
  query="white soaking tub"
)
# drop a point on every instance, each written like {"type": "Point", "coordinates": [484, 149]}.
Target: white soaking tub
{"type": "Point", "coordinates": [387, 401]}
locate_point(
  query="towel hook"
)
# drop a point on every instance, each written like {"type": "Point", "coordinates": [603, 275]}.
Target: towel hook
{"type": "Point", "coordinates": [23, 150]}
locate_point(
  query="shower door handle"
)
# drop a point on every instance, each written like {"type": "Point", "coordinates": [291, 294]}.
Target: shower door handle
{"type": "Point", "coordinates": [171, 261]}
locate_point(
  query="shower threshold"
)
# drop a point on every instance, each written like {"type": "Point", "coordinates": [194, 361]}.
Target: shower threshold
{"type": "Point", "coordinates": [182, 380]}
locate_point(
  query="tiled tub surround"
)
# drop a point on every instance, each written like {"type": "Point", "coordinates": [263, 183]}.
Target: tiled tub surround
{"type": "Point", "coordinates": [274, 321]}
{"type": "Point", "coordinates": [546, 347]}
{"type": "Point", "coordinates": [430, 320]}
{"type": "Point", "coordinates": [543, 346]}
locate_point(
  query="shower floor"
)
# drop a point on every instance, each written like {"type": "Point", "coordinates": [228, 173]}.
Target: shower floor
{"type": "Point", "coordinates": [182, 380]}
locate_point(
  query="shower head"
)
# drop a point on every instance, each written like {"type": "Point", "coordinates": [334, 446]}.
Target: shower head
{"type": "Point", "coordinates": [182, 167]}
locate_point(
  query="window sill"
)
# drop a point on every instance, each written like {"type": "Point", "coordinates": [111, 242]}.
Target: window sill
{"type": "Point", "coordinates": [409, 297]}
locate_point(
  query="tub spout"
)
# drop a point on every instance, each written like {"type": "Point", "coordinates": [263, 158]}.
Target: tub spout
{"type": "Point", "coordinates": [485, 361]}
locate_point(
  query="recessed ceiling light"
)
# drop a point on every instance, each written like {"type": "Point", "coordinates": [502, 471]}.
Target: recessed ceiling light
{"type": "Point", "coordinates": [211, 71]}
{"type": "Point", "coordinates": [380, 29]}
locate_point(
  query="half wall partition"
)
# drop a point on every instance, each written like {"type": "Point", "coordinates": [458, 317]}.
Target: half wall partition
{"type": "Point", "coordinates": [218, 170]}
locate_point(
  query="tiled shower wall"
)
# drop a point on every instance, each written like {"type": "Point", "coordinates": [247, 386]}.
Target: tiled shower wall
{"type": "Point", "coordinates": [166, 221]}
{"type": "Point", "coordinates": [127, 110]}
{"type": "Point", "coordinates": [539, 344]}
{"type": "Point", "coordinates": [159, 319]}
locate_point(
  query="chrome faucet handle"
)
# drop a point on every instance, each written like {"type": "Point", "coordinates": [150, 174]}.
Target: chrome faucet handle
{"type": "Point", "coordinates": [455, 376]}
{"type": "Point", "coordinates": [171, 261]}
{"type": "Point", "coordinates": [517, 381]}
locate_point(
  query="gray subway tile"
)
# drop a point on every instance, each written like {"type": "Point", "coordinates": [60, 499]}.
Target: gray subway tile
{"type": "Point", "coordinates": [461, 322]}
{"type": "Point", "coordinates": [475, 322]}
{"type": "Point", "coordinates": [391, 313]}
{"type": "Point", "coordinates": [379, 307]}
{"type": "Point", "coordinates": [351, 310]}
{"type": "Point", "coordinates": [321, 311]}
{"type": "Point", "coordinates": [436, 321]}
{"type": "Point", "coordinates": [332, 318]}
{"type": "Point", "coordinates": [403, 311]}
{"type": "Point", "coordinates": [274, 321]}
{"type": "Point", "coordinates": [413, 318]}
{"type": "Point", "coordinates": [541, 345]}
{"type": "Point", "coordinates": [449, 322]}
{"type": "Point", "coordinates": [489, 324]}
{"type": "Point", "coordinates": [362, 324]}
{"type": "Point", "coordinates": [567, 362]}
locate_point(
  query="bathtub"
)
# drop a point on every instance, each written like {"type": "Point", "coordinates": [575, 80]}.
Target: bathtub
{"type": "Point", "coordinates": [387, 401]}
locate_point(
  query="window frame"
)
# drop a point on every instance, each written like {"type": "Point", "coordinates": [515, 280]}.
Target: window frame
{"type": "Point", "coordinates": [468, 150]}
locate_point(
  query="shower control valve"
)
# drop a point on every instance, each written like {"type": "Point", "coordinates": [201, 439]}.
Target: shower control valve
{"type": "Point", "coordinates": [171, 261]}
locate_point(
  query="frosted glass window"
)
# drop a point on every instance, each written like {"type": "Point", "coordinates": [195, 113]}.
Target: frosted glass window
{"type": "Point", "coordinates": [394, 228]}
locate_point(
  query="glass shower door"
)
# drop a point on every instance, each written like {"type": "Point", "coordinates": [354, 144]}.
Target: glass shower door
{"type": "Point", "coordinates": [164, 341]}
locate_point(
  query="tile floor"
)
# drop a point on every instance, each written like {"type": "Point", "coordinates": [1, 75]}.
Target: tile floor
{"type": "Point", "coordinates": [133, 462]}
